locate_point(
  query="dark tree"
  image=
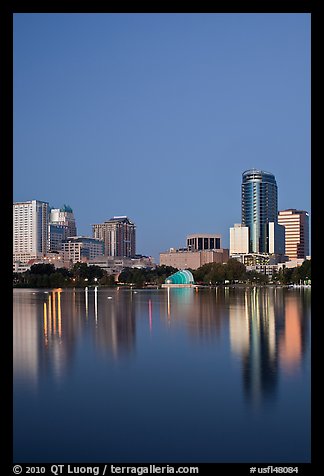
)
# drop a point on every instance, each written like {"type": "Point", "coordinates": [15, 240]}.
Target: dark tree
{"type": "Point", "coordinates": [42, 269]}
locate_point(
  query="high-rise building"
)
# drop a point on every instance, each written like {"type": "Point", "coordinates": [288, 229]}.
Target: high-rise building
{"type": "Point", "coordinates": [239, 239]}
{"type": "Point", "coordinates": [118, 235]}
{"type": "Point", "coordinates": [30, 230]}
{"type": "Point", "coordinates": [56, 235]}
{"type": "Point", "coordinates": [296, 223]}
{"type": "Point", "coordinates": [276, 239]}
{"type": "Point", "coordinates": [259, 207]}
{"type": "Point", "coordinates": [65, 218]}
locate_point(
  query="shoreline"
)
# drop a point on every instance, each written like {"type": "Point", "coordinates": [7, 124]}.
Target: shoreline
{"type": "Point", "coordinates": [159, 286]}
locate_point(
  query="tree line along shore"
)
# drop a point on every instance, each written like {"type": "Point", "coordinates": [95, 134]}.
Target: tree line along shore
{"type": "Point", "coordinates": [82, 275]}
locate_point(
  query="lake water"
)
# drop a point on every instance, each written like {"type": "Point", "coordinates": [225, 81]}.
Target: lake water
{"type": "Point", "coordinates": [158, 375]}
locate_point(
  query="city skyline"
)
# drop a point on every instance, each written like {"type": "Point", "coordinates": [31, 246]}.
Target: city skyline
{"type": "Point", "coordinates": [156, 116]}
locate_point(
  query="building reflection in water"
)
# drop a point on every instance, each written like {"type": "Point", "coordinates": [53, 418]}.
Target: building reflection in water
{"type": "Point", "coordinates": [58, 337]}
{"type": "Point", "coordinates": [268, 327]}
{"type": "Point", "coordinates": [86, 297]}
{"type": "Point", "coordinates": [266, 331]}
{"type": "Point", "coordinates": [202, 312]}
{"type": "Point", "coordinates": [260, 364]}
{"type": "Point", "coordinates": [291, 341]}
{"type": "Point", "coordinates": [150, 314]}
{"type": "Point", "coordinates": [43, 342]}
{"type": "Point", "coordinates": [25, 338]}
{"type": "Point", "coordinates": [115, 323]}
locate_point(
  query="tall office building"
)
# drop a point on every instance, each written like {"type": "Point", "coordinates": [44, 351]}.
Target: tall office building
{"type": "Point", "coordinates": [296, 223]}
{"type": "Point", "coordinates": [259, 207]}
{"type": "Point", "coordinates": [30, 230]}
{"type": "Point", "coordinates": [56, 235]}
{"type": "Point", "coordinates": [64, 217]}
{"type": "Point", "coordinates": [118, 235]}
{"type": "Point", "coordinates": [239, 239]}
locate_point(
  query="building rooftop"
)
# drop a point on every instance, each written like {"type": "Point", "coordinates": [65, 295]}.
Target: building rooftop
{"type": "Point", "coordinates": [80, 239]}
{"type": "Point", "coordinates": [120, 219]}
{"type": "Point", "coordinates": [253, 175]}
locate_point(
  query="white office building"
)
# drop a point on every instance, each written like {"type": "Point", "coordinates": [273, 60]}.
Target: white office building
{"type": "Point", "coordinates": [276, 236]}
{"type": "Point", "coordinates": [30, 230]}
{"type": "Point", "coordinates": [239, 239]}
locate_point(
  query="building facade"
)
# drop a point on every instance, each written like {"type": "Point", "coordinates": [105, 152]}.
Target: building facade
{"type": "Point", "coordinates": [118, 235]}
{"type": "Point", "coordinates": [65, 218]}
{"type": "Point", "coordinates": [115, 265]}
{"type": "Point", "coordinates": [276, 239]}
{"type": "Point", "coordinates": [54, 258]}
{"type": "Point", "coordinates": [256, 259]}
{"type": "Point", "coordinates": [30, 230]}
{"type": "Point", "coordinates": [259, 207]}
{"type": "Point", "coordinates": [193, 259]}
{"type": "Point", "coordinates": [239, 239]}
{"type": "Point", "coordinates": [56, 235]}
{"type": "Point", "coordinates": [81, 249]}
{"type": "Point", "coordinates": [199, 242]}
{"type": "Point", "coordinates": [296, 225]}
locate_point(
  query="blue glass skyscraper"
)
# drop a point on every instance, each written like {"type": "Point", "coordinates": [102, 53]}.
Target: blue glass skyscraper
{"type": "Point", "coordinates": [259, 207]}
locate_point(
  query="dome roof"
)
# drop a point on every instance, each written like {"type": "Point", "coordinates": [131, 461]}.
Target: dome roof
{"type": "Point", "coordinates": [183, 276]}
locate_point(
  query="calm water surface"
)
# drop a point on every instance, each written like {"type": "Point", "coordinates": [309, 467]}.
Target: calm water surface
{"type": "Point", "coordinates": [215, 375]}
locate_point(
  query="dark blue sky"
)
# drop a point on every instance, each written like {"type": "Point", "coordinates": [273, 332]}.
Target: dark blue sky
{"type": "Point", "coordinates": [156, 116]}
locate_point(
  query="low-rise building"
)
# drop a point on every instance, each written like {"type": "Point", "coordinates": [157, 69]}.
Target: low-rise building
{"type": "Point", "coordinates": [294, 263]}
{"type": "Point", "coordinates": [57, 259]}
{"type": "Point", "coordinates": [254, 259]}
{"type": "Point", "coordinates": [20, 267]}
{"type": "Point", "coordinates": [267, 269]}
{"type": "Point", "coordinates": [115, 264]}
{"type": "Point", "coordinates": [193, 259]}
{"type": "Point", "coordinates": [271, 268]}
{"type": "Point", "coordinates": [202, 248]}
{"type": "Point", "coordinates": [203, 241]}
{"type": "Point", "coordinates": [81, 248]}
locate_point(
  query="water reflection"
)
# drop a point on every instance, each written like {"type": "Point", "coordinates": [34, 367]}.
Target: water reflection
{"type": "Point", "coordinates": [115, 327]}
{"type": "Point", "coordinates": [202, 311]}
{"type": "Point", "coordinates": [162, 374]}
{"type": "Point", "coordinates": [25, 339]}
{"type": "Point", "coordinates": [267, 329]}
{"type": "Point", "coordinates": [291, 341]}
{"type": "Point", "coordinates": [150, 314]}
{"type": "Point", "coordinates": [55, 342]}
{"type": "Point", "coordinates": [260, 363]}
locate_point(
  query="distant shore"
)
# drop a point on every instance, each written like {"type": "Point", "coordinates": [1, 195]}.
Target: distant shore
{"type": "Point", "coordinates": [159, 286]}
